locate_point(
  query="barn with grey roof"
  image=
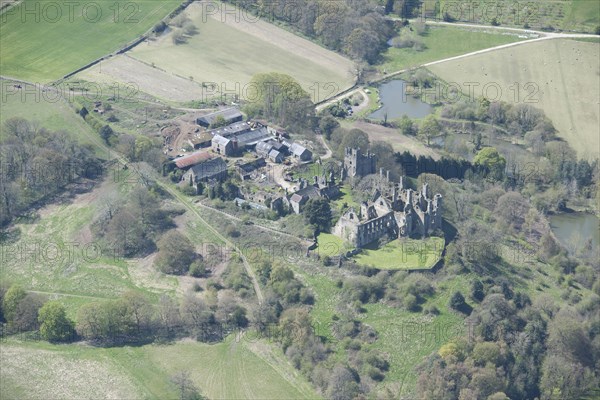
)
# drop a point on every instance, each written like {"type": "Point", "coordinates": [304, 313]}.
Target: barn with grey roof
{"type": "Point", "coordinates": [230, 115]}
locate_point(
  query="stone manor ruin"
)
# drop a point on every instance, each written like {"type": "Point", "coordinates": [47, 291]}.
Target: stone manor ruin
{"type": "Point", "coordinates": [395, 211]}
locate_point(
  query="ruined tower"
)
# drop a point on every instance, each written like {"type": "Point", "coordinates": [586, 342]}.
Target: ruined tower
{"type": "Point", "coordinates": [358, 164]}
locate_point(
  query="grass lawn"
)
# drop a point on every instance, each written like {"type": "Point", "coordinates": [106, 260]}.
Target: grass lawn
{"type": "Point", "coordinates": [372, 105]}
{"type": "Point", "coordinates": [309, 171]}
{"type": "Point", "coordinates": [403, 254]}
{"type": "Point", "coordinates": [553, 75]}
{"type": "Point", "coordinates": [443, 42]}
{"type": "Point", "coordinates": [38, 370]}
{"type": "Point", "coordinates": [346, 198]}
{"type": "Point", "coordinates": [330, 245]}
{"type": "Point", "coordinates": [54, 45]}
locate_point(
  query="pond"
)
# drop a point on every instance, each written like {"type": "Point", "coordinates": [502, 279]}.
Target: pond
{"type": "Point", "coordinates": [575, 229]}
{"type": "Point", "coordinates": [396, 103]}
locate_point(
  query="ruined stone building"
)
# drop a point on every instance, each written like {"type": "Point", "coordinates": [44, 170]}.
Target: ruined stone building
{"type": "Point", "coordinates": [322, 187]}
{"type": "Point", "coordinates": [395, 211]}
{"type": "Point", "coordinates": [357, 164]}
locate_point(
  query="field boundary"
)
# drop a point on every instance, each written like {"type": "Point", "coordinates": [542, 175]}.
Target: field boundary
{"type": "Point", "coordinates": [179, 9]}
{"type": "Point", "coordinates": [542, 36]}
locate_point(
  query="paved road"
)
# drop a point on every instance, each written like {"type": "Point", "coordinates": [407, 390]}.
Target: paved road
{"type": "Point", "coordinates": [518, 30]}
{"type": "Point", "coordinates": [541, 36]}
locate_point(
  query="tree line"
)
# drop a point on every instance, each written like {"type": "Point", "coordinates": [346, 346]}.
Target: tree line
{"type": "Point", "coordinates": [38, 164]}
{"type": "Point", "coordinates": [357, 29]}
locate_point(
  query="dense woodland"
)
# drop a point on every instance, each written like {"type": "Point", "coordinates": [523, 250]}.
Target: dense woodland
{"type": "Point", "coordinates": [355, 28]}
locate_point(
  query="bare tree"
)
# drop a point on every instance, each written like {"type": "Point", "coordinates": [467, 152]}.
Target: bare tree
{"type": "Point", "coordinates": [185, 387]}
{"type": "Point", "coordinates": [168, 313]}
{"type": "Point", "coordinates": [178, 37]}
{"type": "Point", "coordinates": [111, 202]}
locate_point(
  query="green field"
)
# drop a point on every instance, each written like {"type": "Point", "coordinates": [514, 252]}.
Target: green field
{"type": "Point", "coordinates": [57, 256]}
{"type": "Point", "coordinates": [230, 53]}
{"type": "Point", "coordinates": [562, 78]}
{"type": "Point", "coordinates": [55, 39]}
{"type": "Point", "coordinates": [405, 254]}
{"type": "Point", "coordinates": [231, 369]}
{"type": "Point", "coordinates": [443, 42]}
{"type": "Point", "coordinates": [237, 368]}
{"type": "Point", "coordinates": [575, 15]}
{"type": "Point", "coordinates": [44, 111]}
{"type": "Point", "coordinates": [584, 15]}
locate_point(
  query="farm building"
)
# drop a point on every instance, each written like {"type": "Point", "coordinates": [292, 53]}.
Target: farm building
{"type": "Point", "coordinates": [190, 160]}
{"type": "Point", "coordinates": [276, 156]}
{"type": "Point", "coordinates": [230, 115]}
{"type": "Point", "coordinates": [274, 130]}
{"type": "Point", "coordinates": [215, 168]}
{"type": "Point", "coordinates": [246, 170]}
{"type": "Point", "coordinates": [252, 138]}
{"type": "Point", "coordinates": [223, 146]}
{"type": "Point", "coordinates": [263, 148]}
{"type": "Point", "coordinates": [280, 147]}
{"type": "Point", "coordinates": [232, 129]}
{"type": "Point", "coordinates": [272, 149]}
{"type": "Point", "coordinates": [200, 140]}
{"type": "Point", "coordinates": [300, 152]}
{"type": "Point", "coordinates": [277, 131]}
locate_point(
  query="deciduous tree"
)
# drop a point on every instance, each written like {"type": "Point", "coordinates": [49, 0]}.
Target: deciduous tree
{"type": "Point", "coordinates": [55, 325]}
{"type": "Point", "coordinates": [175, 253]}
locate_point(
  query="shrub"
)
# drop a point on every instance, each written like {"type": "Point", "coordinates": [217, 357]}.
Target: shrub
{"type": "Point", "coordinates": [197, 269]}
{"type": "Point", "coordinates": [457, 301]}
{"type": "Point", "coordinates": [178, 37]}
{"type": "Point", "coordinates": [433, 310]}
{"type": "Point", "coordinates": [410, 302]}
{"type": "Point", "coordinates": [188, 190]}
{"type": "Point", "coordinates": [374, 373]}
{"type": "Point", "coordinates": [477, 292]}
{"type": "Point", "coordinates": [160, 27]}
{"type": "Point", "coordinates": [213, 284]}
{"type": "Point", "coordinates": [232, 231]}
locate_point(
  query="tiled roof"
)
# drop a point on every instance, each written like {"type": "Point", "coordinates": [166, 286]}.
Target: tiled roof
{"type": "Point", "coordinates": [192, 159]}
